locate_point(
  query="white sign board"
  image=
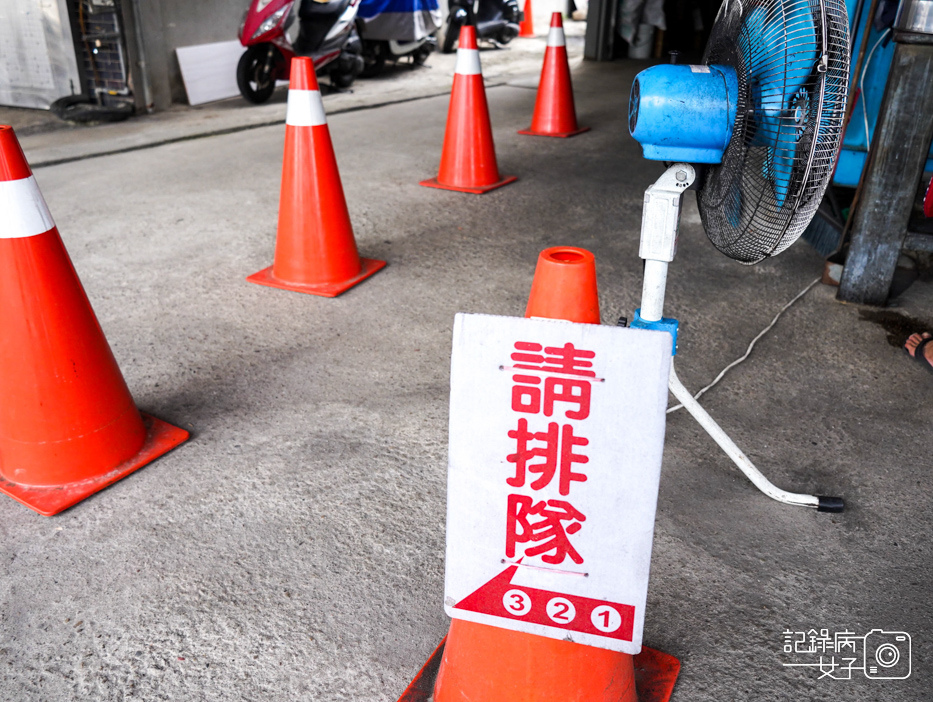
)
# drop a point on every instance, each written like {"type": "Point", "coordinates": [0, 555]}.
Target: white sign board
{"type": "Point", "coordinates": [556, 436]}
{"type": "Point", "coordinates": [209, 70]}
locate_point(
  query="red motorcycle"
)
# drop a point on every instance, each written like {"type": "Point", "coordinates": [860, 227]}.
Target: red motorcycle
{"type": "Point", "coordinates": [326, 31]}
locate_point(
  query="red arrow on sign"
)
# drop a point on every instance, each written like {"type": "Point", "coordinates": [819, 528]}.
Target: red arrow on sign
{"type": "Point", "coordinates": [499, 598]}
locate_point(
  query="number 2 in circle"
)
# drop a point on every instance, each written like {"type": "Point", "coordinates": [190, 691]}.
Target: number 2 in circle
{"type": "Point", "coordinates": [561, 610]}
{"type": "Point", "coordinates": [516, 602]}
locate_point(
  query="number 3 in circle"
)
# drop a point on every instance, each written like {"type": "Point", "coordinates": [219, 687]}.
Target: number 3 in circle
{"type": "Point", "coordinates": [517, 603]}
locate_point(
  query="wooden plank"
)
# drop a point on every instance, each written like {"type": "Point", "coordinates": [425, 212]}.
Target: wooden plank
{"type": "Point", "coordinates": [895, 162]}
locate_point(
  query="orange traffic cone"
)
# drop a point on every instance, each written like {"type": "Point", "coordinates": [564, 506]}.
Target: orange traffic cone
{"type": "Point", "coordinates": [484, 663]}
{"type": "Point", "coordinates": [564, 286]}
{"type": "Point", "coordinates": [315, 251]}
{"type": "Point", "coordinates": [68, 425]}
{"type": "Point", "coordinates": [468, 159]}
{"type": "Point", "coordinates": [516, 666]}
{"type": "Point", "coordinates": [654, 672]}
{"type": "Point", "coordinates": [555, 114]}
{"type": "Point", "coordinates": [488, 664]}
{"type": "Point", "coordinates": [526, 28]}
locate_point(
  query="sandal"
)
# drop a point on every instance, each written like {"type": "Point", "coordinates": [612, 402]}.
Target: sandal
{"type": "Point", "coordinates": [919, 355]}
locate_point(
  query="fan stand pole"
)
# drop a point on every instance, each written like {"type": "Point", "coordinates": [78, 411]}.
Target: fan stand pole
{"type": "Point", "coordinates": [660, 220]}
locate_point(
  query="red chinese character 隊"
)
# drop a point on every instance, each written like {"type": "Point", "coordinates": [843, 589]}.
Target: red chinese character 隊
{"type": "Point", "coordinates": [548, 532]}
{"type": "Point", "coordinates": [557, 452]}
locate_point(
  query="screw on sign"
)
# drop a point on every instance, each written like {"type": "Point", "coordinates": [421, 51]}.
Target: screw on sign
{"type": "Point", "coordinates": [556, 432]}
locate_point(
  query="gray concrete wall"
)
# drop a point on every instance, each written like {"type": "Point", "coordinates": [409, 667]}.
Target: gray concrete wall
{"type": "Point", "coordinates": [169, 24]}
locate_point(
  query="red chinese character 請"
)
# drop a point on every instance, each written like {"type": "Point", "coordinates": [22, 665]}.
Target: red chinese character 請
{"type": "Point", "coordinates": [558, 359]}
{"type": "Point", "coordinates": [526, 396]}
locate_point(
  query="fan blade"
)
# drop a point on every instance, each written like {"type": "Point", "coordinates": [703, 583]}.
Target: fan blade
{"type": "Point", "coordinates": [791, 58]}
{"type": "Point", "coordinates": [782, 49]}
{"type": "Point", "coordinates": [779, 169]}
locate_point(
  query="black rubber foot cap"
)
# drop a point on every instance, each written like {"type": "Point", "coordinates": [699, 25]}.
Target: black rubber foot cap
{"type": "Point", "coordinates": [830, 504]}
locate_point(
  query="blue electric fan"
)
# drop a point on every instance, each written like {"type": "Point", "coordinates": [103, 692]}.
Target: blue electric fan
{"type": "Point", "coordinates": [764, 115]}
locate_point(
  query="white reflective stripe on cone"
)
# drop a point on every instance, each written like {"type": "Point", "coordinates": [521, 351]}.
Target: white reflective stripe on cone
{"type": "Point", "coordinates": [555, 37]}
{"type": "Point", "coordinates": [468, 62]}
{"type": "Point", "coordinates": [23, 211]}
{"type": "Point", "coordinates": [305, 109]}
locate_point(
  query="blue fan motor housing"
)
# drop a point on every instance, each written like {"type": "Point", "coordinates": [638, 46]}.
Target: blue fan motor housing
{"type": "Point", "coordinates": [684, 113]}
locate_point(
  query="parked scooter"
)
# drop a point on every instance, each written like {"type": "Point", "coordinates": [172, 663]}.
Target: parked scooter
{"type": "Point", "coordinates": [394, 29]}
{"type": "Point", "coordinates": [326, 32]}
{"type": "Point", "coordinates": [496, 21]}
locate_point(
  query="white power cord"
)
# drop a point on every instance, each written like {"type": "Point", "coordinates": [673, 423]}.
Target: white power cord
{"type": "Point", "coordinates": [861, 86]}
{"type": "Point", "coordinates": [751, 345]}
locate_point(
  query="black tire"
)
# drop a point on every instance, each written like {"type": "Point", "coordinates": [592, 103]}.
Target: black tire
{"type": "Point", "coordinates": [342, 80]}
{"type": "Point", "coordinates": [79, 108]}
{"type": "Point", "coordinates": [450, 37]}
{"type": "Point", "coordinates": [255, 82]}
{"type": "Point", "coordinates": [420, 56]}
{"type": "Point", "coordinates": [374, 66]}
{"type": "Point", "coordinates": [504, 38]}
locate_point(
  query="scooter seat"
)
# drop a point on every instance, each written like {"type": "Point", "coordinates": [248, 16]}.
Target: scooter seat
{"type": "Point", "coordinates": [311, 9]}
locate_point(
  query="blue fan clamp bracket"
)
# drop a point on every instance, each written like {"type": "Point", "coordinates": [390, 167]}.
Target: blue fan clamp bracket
{"type": "Point", "coordinates": [667, 324]}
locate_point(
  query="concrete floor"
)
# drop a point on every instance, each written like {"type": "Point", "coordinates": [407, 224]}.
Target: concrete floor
{"type": "Point", "coordinates": [293, 548]}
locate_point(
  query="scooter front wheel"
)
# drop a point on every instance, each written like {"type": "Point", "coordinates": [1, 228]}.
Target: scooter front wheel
{"type": "Point", "coordinates": [255, 73]}
{"type": "Point", "coordinates": [450, 36]}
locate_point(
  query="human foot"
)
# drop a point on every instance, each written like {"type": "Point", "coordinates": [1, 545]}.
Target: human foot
{"type": "Point", "coordinates": [920, 348]}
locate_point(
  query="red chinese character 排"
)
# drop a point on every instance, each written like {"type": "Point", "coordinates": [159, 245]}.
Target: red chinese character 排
{"type": "Point", "coordinates": [557, 452]}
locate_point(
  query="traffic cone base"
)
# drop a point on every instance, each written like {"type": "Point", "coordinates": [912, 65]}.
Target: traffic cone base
{"type": "Point", "coordinates": [479, 190]}
{"type": "Point", "coordinates": [161, 437]}
{"type": "Point", "coordinates": [655, 675]}
{"type": "Point", "coordinates": [562, 135]}
{"type": "Point", "coordinates": [369, 267]}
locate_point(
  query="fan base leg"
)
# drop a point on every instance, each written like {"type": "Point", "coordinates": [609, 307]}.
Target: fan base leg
{"type": "Point", "coordinates": [822, 504]}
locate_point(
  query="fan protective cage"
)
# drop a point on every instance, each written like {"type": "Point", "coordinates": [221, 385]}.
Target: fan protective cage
{"type": "Point", "coordinates": [792, 62]}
